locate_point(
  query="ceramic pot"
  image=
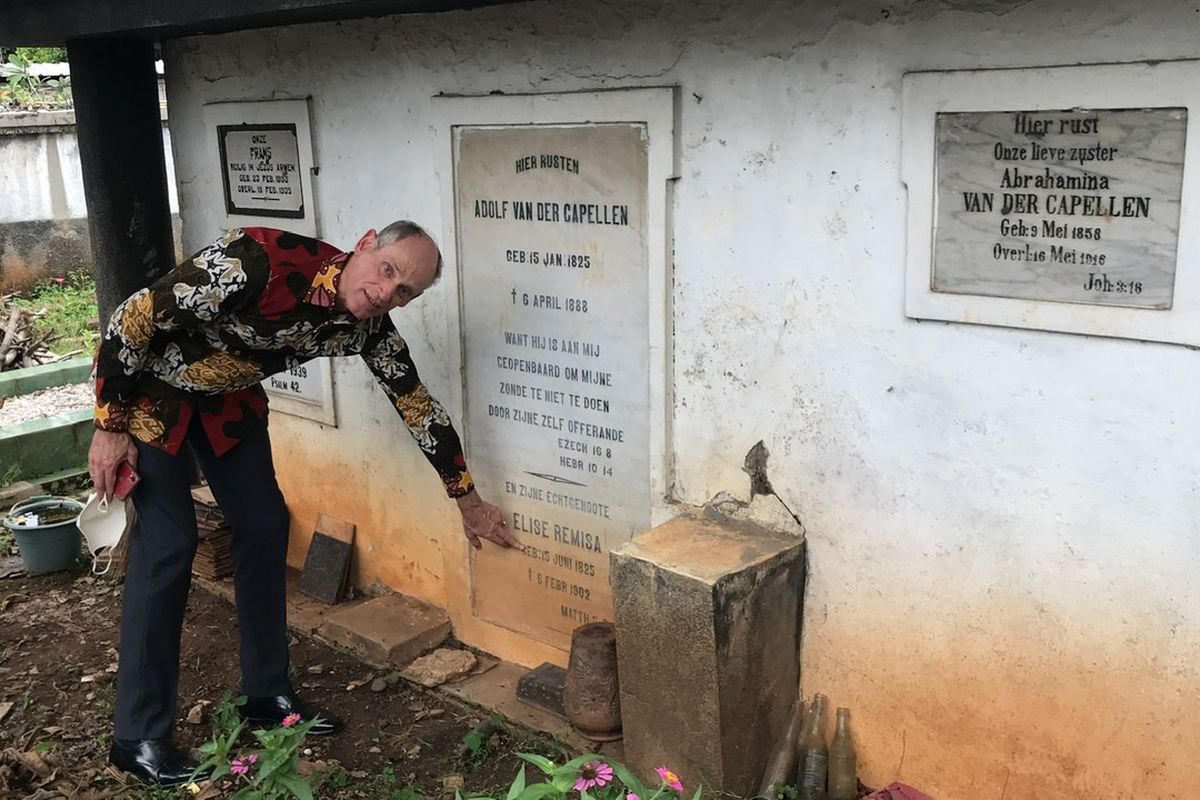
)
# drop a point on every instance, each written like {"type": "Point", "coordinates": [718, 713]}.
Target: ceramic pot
{"type": "Point", "coordinates": [591, 695]}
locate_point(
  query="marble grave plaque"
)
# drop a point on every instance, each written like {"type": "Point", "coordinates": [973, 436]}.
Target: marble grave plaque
{"type": "Point", "coordinates": [304, 382]}
{"type": "Point", "coordinates": [1068, 206]}
{"type": "Point", "coordinates": [553, 262]}
{"type": "Point", "coordinates": [260, 167]}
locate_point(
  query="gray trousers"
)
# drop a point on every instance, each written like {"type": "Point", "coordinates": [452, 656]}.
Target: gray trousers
{"type": "Point", "coordinates": [159, 574]}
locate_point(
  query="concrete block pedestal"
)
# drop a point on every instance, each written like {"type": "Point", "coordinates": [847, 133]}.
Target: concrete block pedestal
{"type": "Point", "coordinates": [708, 617]}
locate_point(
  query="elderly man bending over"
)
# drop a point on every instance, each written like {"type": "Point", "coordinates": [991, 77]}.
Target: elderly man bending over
{"type": "Point", "coordinates": [180, 367]}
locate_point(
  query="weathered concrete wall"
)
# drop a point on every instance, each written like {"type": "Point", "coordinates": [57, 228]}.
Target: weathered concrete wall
{"type": "Point", "coordinates": [43, 216]}
{"type": "Point", "coordinates": [1001, 523]}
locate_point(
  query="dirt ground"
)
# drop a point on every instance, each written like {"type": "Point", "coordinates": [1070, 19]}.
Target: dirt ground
{"type": "Point", "coordinates": [57, 663]}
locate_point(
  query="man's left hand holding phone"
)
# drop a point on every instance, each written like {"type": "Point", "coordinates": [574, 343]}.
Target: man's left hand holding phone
{"type": "Point", "coordinates": [112, 464]}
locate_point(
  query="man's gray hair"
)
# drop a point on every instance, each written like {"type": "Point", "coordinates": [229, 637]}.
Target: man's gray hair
{"type": "Point", "coordinates": [402, 229]}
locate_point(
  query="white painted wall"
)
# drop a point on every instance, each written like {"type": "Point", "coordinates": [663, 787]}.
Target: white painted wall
{"type": "Point", "coordinates": [40, 174]}
{"type": "Point", "coordinates": [1002, 522]}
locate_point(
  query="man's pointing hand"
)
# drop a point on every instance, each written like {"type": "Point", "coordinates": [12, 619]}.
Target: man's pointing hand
{"type": "Point", "coordinates": [482, 520]}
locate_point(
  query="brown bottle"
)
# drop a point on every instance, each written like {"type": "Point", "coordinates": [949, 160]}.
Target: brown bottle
{"type": "Point", "coordinates": [814, 755]}
{"type": "Point", "coordinates": [843, 763]}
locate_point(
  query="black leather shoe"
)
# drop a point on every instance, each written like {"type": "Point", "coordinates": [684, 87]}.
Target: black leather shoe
{"type": "Point", "coordinates": [155, 761]}
{"type": "Point", "coordinates": [264, 711]}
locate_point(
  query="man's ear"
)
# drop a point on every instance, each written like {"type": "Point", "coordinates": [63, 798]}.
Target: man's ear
{"type": "Point", "coordinates": [367, 242]}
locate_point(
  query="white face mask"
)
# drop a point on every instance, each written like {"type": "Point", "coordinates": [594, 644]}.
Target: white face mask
{"type": "Point", "coordinates": [103, 525]}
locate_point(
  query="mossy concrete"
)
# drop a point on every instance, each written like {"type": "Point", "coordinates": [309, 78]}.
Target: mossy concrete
{"type": "Point", "coordinates": [42, 449]}
{"type": "Point", "coordinates": [708, 616]}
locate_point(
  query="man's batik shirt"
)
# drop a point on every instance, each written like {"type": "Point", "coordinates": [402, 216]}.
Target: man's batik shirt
{"type": "Point", "coordinates": [253, 303]}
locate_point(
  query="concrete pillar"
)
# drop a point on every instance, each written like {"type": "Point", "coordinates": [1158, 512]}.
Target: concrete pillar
{"type": "Point", "coordinates": [708, 617]}
{"type": "Point", "coordinates": [119, 126]}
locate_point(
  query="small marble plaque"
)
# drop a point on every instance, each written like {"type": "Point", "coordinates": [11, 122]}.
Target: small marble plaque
{"type": "Point", "coordinates": [261, 170]}
{"type": "Point", "coordinates": [303, 382]}
{"type": "Point", "coordinates": [304, 390]}
{"type": "Point", "coordinates": [1075, 206]}
{"type": "Point", "coordinates": [263, 164]}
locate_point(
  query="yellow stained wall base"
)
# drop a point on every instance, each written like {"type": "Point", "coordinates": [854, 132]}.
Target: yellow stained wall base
{"type": "Point", "coordinates": [394, 549]}
{"type": "Point", "coordinates": [999, 716]}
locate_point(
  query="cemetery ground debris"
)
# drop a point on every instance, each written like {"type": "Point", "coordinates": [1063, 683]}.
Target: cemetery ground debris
{"type": "Point", "coordinates": [65, 311]}
{"type": "Point", "coordinates": [21, 345]}
{"type": "Point", "coordinates": [58, 636]}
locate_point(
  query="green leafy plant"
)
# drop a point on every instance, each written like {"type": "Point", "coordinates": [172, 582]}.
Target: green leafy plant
{"type": "Point", "coordinates": [783, 791]}
{"type": "Point", "coordinates": [476, 742]}
{"type": "Point", "coordinates": [225, 719]}
{"type": "Point", "coordinates": [28, 88]}
{"type": "Point", "coordinates": [387, 786]}
{"type": "Point", "coordinates": [332, 778]}
{"type": "Point", "coordinates": [270, 771]}
{"type": "Point", "coordinates": [42, 55]}
{"type": "Point", "coordinates": [592, 777]}
{"type": "Point", "coordinates": [16, 71]}
{"type": "Point", "coordinates": [70, 311]}
{"type": "Point", "coordinates": [150, 791]}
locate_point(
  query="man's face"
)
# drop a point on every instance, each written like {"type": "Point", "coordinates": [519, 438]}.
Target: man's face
{"type": "Point", "coordinates": [377, 280]}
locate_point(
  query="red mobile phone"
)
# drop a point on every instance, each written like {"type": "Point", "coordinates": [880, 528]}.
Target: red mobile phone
{"type": "Point", "coordinates": [126, 480]}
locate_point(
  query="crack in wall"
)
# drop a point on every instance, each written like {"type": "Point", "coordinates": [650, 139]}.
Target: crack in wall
{"type": "Point", "coordinates": [755, 465]}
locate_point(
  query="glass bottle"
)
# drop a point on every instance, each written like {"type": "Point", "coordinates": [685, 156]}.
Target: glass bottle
{"type": "Point", "coordinates": [781, 767]}
{"type": "Point", "coordinates": [843, 762]}
{"type": "Point", "coordinates": [814, 754]}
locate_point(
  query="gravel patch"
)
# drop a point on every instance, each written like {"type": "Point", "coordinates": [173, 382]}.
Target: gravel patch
{"type": "Point", "coordinates": [47, 403]}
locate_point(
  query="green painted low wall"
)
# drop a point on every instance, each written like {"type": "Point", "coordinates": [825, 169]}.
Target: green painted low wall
{"type": "Point", "coordinates": [47, 448]}
{"type": "Point", "coordinates": [33, 379]}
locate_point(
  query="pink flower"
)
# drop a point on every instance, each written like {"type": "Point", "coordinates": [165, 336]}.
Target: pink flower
{"type": "Point", "coordinates": [669, 779]}
{"type": "Point", "coordinates": [253, 757]}
{"type": "Point", "coordinates": [290, 720]}
{"type": "Point", "coordinates": [632, 796]}
{"type": "Point", "coordinates": [592, 774]}
{"type": "Point", "coordinates": [240, 766]}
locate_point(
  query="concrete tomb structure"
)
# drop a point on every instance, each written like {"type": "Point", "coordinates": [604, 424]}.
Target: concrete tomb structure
{"type": "Point", "coordinates": [708, 641]}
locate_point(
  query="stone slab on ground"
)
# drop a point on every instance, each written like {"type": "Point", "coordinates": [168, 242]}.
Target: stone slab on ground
{"type": "Point", "coordinates": [442, 665]}
{"type": "Point", "coordinates": [327, 564]}
{"type": "Point", "coordinates": [543, 686]}
{"type": "Point", "coordinates": [496, 690]}
{"type": "Point", "coordinates": [708, 618]}
{"type": "Point", "coordinates": [304, 614]}
{"type": "Point", "coordinates": [491, 686]}
{"type": "Point", "coordinates": [392, 629]}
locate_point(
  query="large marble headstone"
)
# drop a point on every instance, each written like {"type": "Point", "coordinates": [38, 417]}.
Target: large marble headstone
{"type": "Point", "coordinates": [1068, 206]}
{"type": "Point", "coordinates": [553, 265]}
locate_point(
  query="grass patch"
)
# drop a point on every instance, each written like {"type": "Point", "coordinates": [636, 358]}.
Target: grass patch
{"type": "Point", "coordinates": [8, 542]}
{"type": "Point", "coordinates": [72, 317]}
